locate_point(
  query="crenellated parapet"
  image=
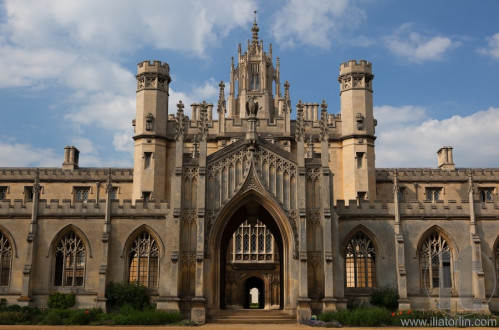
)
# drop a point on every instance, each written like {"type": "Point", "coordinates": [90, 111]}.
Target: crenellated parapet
{"type": "Point", "coordinates": [416, 209]}
{"type": "Point", "coordinates": [21, 174]}
{"type": "Point", "coordinates": [437, 175]}
{"type": "Point", "coordinates": [155, 75]}
{"type": "Point", "coordinates": [355, 75]}
{"type": "Point", "coordinates": [66, 208]}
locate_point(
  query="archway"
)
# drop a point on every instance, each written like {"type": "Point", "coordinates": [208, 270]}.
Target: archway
{"type": "Point", "coordinates": [254, 292]}
{"type": "Point", "coordinates": [233, 276]}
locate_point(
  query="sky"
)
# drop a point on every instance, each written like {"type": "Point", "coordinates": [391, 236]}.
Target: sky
{"type": "Point", "coordinates": [68, 70]}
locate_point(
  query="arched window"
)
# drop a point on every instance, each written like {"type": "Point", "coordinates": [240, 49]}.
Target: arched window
{"type": "Point", "coordinates": [144, 260]}
{"type": "Point", "coordinates": [435, 259]}
{"type": "Point", "coordinates": [70, 261]}
{"type": "Point", "coordinates": [5, 259]}
{"type": "Point", "coordinates": [360, 262]}
{"type": "Point", "coordinates": [238, 243]}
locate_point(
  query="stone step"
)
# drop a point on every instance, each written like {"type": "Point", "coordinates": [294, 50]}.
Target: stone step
{"type": "Point", "coordinates": [250, 317]}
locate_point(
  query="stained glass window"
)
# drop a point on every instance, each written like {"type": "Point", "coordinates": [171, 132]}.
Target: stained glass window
{"type": "Point", "coordinates": [360, 262]}
{"type": "Point", "coordinates": [70, 261]}
{"type": "Point", "coordinates": [144, 260]}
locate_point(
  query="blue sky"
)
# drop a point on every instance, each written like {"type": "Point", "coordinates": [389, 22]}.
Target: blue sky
{"type": "Point", "coordinates": [68, 70]}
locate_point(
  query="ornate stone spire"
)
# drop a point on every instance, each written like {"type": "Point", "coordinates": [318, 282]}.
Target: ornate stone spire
{"type": "Point", "coordinates": [109, 184]}
{"type": "Point", "coordinates": [179, 125]}
{"type": "Point", "coordinates": [255, 30]}
{"type": "Point", "coordinates": [300, 125]}
{"type": "Point", "coordinates": [203, 123]}
{"type": "Point", "coordinates": [221, 97]}
{"type": "Point", "coordinates": [323, 122]}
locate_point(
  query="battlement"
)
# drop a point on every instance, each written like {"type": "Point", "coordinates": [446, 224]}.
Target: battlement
{"type": "Point", "coordinates": [154, 67]}
{"type": "Point", "coordinates": [58, 174]}
{"type": "Point", "coordinates": [437, 175]}
{"type": "Point", "coordinates": [448, 210]}
{"type": "Point", "coordinates": [352, 67]}
{"type": "Point", "coordinates": [67, 208]}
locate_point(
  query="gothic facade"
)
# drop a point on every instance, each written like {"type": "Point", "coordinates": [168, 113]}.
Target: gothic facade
{"type": "Point", "coordinates": [240, 196]}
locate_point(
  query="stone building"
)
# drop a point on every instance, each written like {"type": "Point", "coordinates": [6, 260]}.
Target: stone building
{"type": "Point", "coordinates": [218, 205]}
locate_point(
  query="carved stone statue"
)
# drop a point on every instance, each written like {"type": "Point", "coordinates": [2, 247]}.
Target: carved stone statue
{"type": "Point", "coordinates": [252, 107]}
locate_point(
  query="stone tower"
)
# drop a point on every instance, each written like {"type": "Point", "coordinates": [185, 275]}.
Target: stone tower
{"type": "Point", "coordinates": [254, 76]}
{"type": "Point", "coordinates": [149, 174]}
{"type": "Point", "coordinates": [357, 130]}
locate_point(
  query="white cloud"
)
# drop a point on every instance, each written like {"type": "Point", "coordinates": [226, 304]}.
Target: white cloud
{"type": "Point", "coordinates": [27, 67]}
{"type": "Point", "coordinates": [122, 141]}
{"type": "Point", "coordinates": [107, 110]}
{"type": "Point", "coordinates": [112, 27]}
{"type": "Point", "coordinates": [492, 48]}
{"type": "Point", "coordinates": [414, 142]}
{"type": "Point", "coordinates": [314, 22]}
{"type": "Point", "coordinates": [208, 92]}
{"type": "Point", "coordinates": [25, 155]}
{"type": "Point", "coordinates": [414, 47]}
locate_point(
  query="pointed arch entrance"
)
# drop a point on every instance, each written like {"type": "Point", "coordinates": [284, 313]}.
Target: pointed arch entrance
{"type": "Point", "coordinates": [250, 207]}
{"type": "Point", "coordinates": [232, 275]}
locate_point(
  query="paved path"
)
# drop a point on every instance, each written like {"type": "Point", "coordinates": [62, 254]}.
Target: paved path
{"type": "Point", "coordinates": [209, 326]}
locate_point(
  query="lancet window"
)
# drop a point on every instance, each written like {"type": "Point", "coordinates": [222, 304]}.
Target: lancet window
{"type": "Point", "coordinates": [255, 76]}
{"type": "Point", "coordinates": [360, 262]}
{"type": "Point", "coordinates": [5, 259]}
{"type": "Point", "coordinates": [144, 260]}
{"type": "Point", "coordinates": [70, 257]}
{"type": "Point", "coordinates": [435, 262]}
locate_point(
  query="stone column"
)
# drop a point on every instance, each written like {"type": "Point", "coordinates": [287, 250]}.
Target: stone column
{"type": "Point", "coordinates": [25, 299]}
{"type": "Point", "coordinates": [198, 311]}
{"type": "Point", "coordinates": [404, 303]}
{"type": "Point", "coordinates": [100, 300]}
{"type": "Point", "coordinates": [480, 303]}
{"type": "Point", "coordinates": [171, 301]}
{"type": "Point", "coordinates": [328, 303]}
{"type": "Point", "coordinates": [304, 312]}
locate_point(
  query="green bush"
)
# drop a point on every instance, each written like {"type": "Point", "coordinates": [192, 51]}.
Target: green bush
{"type": "Point", "coordinates": [10, 317]}
{"type": "Point", "coordinates": [61, 300]}
{"type": "Point", "coordinates": [80, 317]}
{"type": "Point", "coordinates": [56, 317]}
{"type": "Point", "coordinates": [133, 294]}
{"type": "Point", "coordinates": [385, 297]}
{"type": "Point", "coordinates": [364, 317]}
{"type": "Point", "coordinates": [150, 316]}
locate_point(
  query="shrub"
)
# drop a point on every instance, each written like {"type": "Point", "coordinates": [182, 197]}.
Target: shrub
{"type": "Point", "coordinates": [61, 300]}
{"type": "Point", "coordinates": [385, 297]}
{"type": "Point", "coordinates": [152, 317]}
{"type": "Point", "coordinates": [365, 317]}
{"type": "Point", "coordinates": [56, 317]}
{"type": "Point", "coordinates": [10, 317]}
{"type": "Point", "coordinates": [80, 317]}
{"type": "Point", "coordinates": [133, 294]}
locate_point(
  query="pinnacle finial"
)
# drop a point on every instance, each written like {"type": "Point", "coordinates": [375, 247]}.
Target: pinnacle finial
{"type": "Point", "coordinates": [255, 30]}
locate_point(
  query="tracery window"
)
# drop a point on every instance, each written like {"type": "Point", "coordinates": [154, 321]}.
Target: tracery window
{"type": "Point", "coordinates": [433, 194]}
{"type": "Point", "coordinates": [70, 256]}
{"type": "Point", "coordinates": [486, 194]}
{"type": "Point", "coordinates": [360, 262]}
{"type": "Point", "coordinates": [144, 260]}
{"type": "Point", "coordinates": [252, 242]}
{"type": "Point", "coordinates": [255, 77]}
{"type": "Point", "coordinates": [5, 259]}
{"type": "Point", "coordinates": [81, 193]}
{"type": "Point", "coordinates": [435, 258]}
